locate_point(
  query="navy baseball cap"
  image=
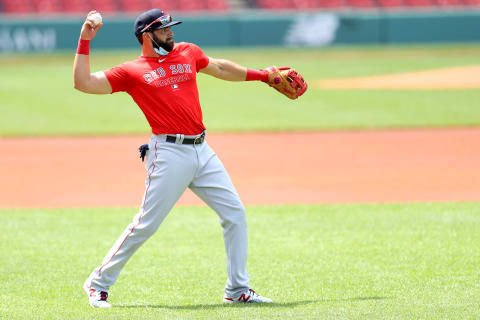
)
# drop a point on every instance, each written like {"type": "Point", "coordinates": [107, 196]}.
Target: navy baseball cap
{"type": "Point", "coordinates": [152, 20]}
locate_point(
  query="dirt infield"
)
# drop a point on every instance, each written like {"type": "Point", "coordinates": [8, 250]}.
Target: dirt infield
{"type": "Point", "coordinates": [281, 168]}
{"type": "Point", "coordinates": [448, 78]}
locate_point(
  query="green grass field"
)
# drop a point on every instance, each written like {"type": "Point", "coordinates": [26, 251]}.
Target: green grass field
{"type": "Point", "coordinates": [37, 95]}
{"type": "Point", "coordinates": [385, 261]}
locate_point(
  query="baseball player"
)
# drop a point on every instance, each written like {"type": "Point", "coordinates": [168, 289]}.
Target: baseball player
{"type": "Point", "coordinates": [162, 82]}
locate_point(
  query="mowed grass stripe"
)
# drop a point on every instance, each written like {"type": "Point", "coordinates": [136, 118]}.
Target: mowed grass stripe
{"type": "Point", "coordinates": [38, 97]}
{"type": "Point", "coordinates": [382, 261]}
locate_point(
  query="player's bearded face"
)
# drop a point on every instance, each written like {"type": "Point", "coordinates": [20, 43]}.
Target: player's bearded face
{"type": "Point", "coordinates": [166, 44]}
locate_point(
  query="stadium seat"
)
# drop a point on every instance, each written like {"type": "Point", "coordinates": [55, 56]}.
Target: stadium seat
{"type": "Point", "coordinates": [305, 4]}
{"type": "Point", "coordinates": [46, 6]}
{"type": "Point", "coordinates": [446, 3]}
{"type": "Point", "coordinates": [104, 5]}
{"type": "Point", "coordinates": [332, 4]}
{"type": "Point", "coordinates": [216, 5]}
{"type": "Point", "coordinates": [390, 3]}
{"type": "Point", "coordinates": [76, 6]}
{"type": "Point", "coordinates": [471, 2]}
{"type": "Point", "coordinates": [361, 3]}
{"type": "Point", "coordinates": [190, 5]}
{"type": "Point", "coordinates": [165, 5]}
{"type": "Point", "coordinates": [134, 5]}
{"type": "Point", "coordinates": [276, 4]}
{"type": "Point", "coordinates": [17, 6]}
{"type": "Point", "coordinates": [418, 3]}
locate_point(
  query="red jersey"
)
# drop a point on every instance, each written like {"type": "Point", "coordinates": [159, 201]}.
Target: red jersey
{"type": "Point", "coordinates": [165, 88]}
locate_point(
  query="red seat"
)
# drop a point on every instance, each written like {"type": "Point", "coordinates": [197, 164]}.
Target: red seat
{"type": "Point", "coordinates": [391, 3]}
{"type": "Point", "coordinates": [446, 3]}
{"type": "Point", "coordinates": [361, 3]}
{"type": "Point", "coordinates": [418, 3]}
{"type": "Point", "coordinates": [471, 2]}
{"type": "Point", "coordinates": [134, 5]}
{"type": "Point", "coordinates": [165, 5]}
{"type": "Point", "coordinates": [78, 6]}
{"type": "Point", "coordinates": [46, 6]}
{"type": "Point", "coordinates": [104, 5]}
{"type": "Point", "coordinates": [276, 4]}
{"type": "Point", "coordinates": [216, 5]}
{"type": "Point", "coordinates": [17, 6]}
{"type": "Point", "coordinates": [305, 4]}
{"type": "Point", "coordinates": [332, 4]}
{"type": "Point", "coordinates": [190, 5]}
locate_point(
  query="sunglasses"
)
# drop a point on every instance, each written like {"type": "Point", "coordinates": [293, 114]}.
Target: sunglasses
{"type": "Point", "coordinates": [163, 20]}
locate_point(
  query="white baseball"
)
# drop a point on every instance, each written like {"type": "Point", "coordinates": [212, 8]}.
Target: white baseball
{"type": "Point", "coordinates": [96, 18]}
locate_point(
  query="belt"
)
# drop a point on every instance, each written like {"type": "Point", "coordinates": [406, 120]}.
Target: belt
{"type": "Point", "coordinates": [197, 140]}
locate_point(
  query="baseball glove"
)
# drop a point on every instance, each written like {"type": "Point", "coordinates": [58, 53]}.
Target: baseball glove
{"type": "Point", "coordinates": [286, 81]}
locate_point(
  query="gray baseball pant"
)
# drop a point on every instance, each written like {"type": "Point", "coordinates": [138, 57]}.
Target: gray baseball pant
{"type": "Point", "coordinates": [171, 168]}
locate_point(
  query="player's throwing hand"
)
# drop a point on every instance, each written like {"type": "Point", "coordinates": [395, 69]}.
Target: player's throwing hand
{"type": "Point", "coordinates": [89, 28]}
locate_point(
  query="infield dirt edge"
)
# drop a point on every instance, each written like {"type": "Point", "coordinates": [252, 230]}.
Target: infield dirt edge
{"type": "Point", "coordinates": [465, 77]}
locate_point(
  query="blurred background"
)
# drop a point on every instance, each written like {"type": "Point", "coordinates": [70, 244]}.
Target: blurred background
{"type": "Point", "coordinates": [48, 25]}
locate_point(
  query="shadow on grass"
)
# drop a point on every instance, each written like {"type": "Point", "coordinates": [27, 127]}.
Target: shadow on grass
{"type": "Point", "coordinates": [247, 305]}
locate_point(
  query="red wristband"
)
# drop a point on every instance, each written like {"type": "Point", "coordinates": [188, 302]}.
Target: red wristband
{"type": "Point", "coordinates": [261, 75]}
{"type": "Point", "coordinates": [83, 46]}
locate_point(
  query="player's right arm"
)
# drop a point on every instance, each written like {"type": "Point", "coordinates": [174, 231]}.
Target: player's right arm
{"type": "Point", "coordinates": [83, 80]}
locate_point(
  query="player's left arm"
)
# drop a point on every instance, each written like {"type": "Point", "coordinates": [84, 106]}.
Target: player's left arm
{"type": "Point", "coordinates": [225, 70]}
{"type": "Point", "coordinates": [285, 80]}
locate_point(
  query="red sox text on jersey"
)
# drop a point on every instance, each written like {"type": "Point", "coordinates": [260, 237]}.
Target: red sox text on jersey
{"type": "Point", "coordinates": [181, 70]}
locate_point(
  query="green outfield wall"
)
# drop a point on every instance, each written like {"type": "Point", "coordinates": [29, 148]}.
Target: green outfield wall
{"type": "Point", "coordinates": [257, 29]}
